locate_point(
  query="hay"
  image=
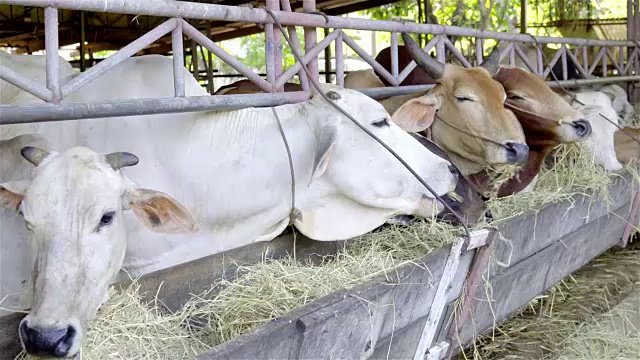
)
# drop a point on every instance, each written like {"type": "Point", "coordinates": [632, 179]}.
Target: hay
{"type": "Point", "coordinates": [558, 319]}
{"type": "Point", "coordinates": [570, 172]}
{"type": "Point", "coordinates": [498, 175]}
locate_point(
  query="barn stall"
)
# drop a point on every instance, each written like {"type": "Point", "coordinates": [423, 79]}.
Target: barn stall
{"type": "Point", "coordinates": [407, 311]}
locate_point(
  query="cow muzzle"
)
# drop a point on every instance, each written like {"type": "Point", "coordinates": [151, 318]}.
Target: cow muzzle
{"type": "Point", "coordinates": [516, 153]}
{"type": "Point", "coordinates": [47, 341]}
{"type": "Point", "coordinates": [582, 128]}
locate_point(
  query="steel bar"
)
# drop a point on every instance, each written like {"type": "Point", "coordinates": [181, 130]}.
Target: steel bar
{"type": "Point", "coordinates": [597, 59]}
{"type": "Point", "coordinates": [25, 84]}
{"type": "Point", "coordinates": [504, 52]}
{"type": "Point", "coordinates": [277, 43]}
{"type": "Point", "coordinates": [310, 35]}
{"type": "Point", "coordinates": [630, 60]}
{"type": "Point", "coordinates": [327, 60]}
{"type": "Point", "coordinates": [552, 62]}
{"type": "Point", "coordinates": [449, 45]}
{"type": "Point", "coordinates": [370, 60]}
{"type": "Point", "coordinates": [203, 11]}
{"type": "Point", "coordinates": [604, 63]}
{"type": "Point", "coordinates": [563, 57]}
{"type": "Point", "coordinates": [539, 57]}
{"type": "Point", "coordinates": [512, 55]}
{"type": "Point", "coordinates": [525, 60]}
{"type": "Point", "coordinates": [210, 87]}
{"type": "Point", "coordinates": [269, 52]}
{"type": "Point", "coordinates": [385, 92]}
{"type": "Point", "coordinates": [308, 57]}
{"type": "Point", "coordinates": [339, 61]}
{"type": "Point", "coordinates": [194, 60]}
{"type": "Point", "coordinates": [96, 71]}
{"type": "Point", "coordinates": [394, 54]}
{"type": "Point", "coordinates": [479, 51]}
{"type": "Point", "coordinates": [17, 114]}
{"type": "Point", "coordinates": [293, 36]}
{"type": "Point", "coordinates": [614, 62]}
{"type": "Point", "coordinates": [225, 56]}
{"type": "Point", "coordinates": [83, 39]}
{"type": "Point", "coordinates": [593, 81]}
{"type": "Point", "coordinates": [585, 61]}
{"type": "Point", "coordinates": [576, 62]}
{"type": "Point", "coordinates": [51, 49]}
{"type": "Point", "coordinates": [441, 56]}
{"type": "Point", "coordinates": [412, 65]}
{"type": "Point", "coordinates": [621, 59]}
{"type": "Point", "coordinates": [177, 47]}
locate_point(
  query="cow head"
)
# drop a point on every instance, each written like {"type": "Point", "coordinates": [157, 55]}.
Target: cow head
{"type": "Point", "coordinates": [465, 114]}
{"type": "Point", "coordinates": [356, 183]}
{"type": "Point", "coordinates": [547, 119]}
{"type": "Point", "coordinates": [74, 214]}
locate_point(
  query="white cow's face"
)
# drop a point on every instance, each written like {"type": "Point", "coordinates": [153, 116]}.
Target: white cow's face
{"type": "Point", "coordinates": [361, 183]}
{"type": "Point", "coordinates": [73, 210]}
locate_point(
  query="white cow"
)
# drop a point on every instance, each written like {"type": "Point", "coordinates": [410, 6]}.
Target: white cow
{"type": "Point", "coordinates": [34, 67]}
{"type": "Point", "coordinates": [611, 102]}
{"type": "Point", "coordinates": [229, 169]}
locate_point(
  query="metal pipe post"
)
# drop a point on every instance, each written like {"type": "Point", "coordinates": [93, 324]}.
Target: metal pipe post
{"type": "Point", "coordinates": [51, 49]}
{"type": "Point", "coordinates": [274, 5]}
{"type": "Point", "coordinates": [194, 60]}
{"type": "Point", "coordinates": [293, 36]}
{"type": "Point", "coordinates": [440, 55]}
{"type": "Point", "coordinates": [394, 54]}
{"type": "Point", "coordinates": [310, 37]}
{"type": "Point", "coordinates": [327, 59]}
{"type": "Point", "coordinates": [269, 52]}
{"type": "Point", "coordinates": [177, 47]}
{"type": "Point", "coordinates": [83, 39]}
{"type": "Point", "coordinates": [369, 59]}
{"type": "Point", "coordinates": [339, 61]}
{"type": "Point", "coordinates": [209, 63]}
{"type": "Point", "coordinates": [25, 84]}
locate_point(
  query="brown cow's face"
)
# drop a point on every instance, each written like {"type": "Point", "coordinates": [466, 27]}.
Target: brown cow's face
{"type": "Point", "coordinates": [470, 123]}
{"type": "Point", "coordinates": [555, 121]}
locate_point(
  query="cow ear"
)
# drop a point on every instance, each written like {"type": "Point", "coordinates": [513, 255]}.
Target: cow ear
{"type": "Point", "coordinates": [12, 193]}
{"type": "Point", "coordinates": [326, 140]}
{"type": "Point", "coordinates": [160, 213]}
{"type": "Point", "coordinates": [416, 114]}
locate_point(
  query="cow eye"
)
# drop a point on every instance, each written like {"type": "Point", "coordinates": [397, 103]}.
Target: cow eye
{"type": "Point", "coordinates": [381, 123]}
{"type": "Point", "coordinates": [515, 98]}
{"type": "Point", "coordinates": [107, 219]}
{"type": "Point", "coordinates": [463, 98]}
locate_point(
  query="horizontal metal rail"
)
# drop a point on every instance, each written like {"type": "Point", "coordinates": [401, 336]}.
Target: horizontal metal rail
{"type": "Point", "coordinates": [203, 11]}
{"type": "Point", "coordinates": [19, 114]}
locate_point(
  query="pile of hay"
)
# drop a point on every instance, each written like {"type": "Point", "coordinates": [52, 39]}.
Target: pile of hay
{"type": "Point", "coordinates": [573, 320]}
{"type": "Point", "coordinates": [569, 171]}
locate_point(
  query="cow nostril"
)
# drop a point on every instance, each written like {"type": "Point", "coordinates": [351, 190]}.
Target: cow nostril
{"type": "Point", "coordinates": [516, 153]}
{"type": "Point", "coordinates": [49, 342]}
{"type": "Point", "coordinates": [583, 128]}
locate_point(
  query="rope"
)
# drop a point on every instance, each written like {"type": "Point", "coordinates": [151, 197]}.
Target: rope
{"type": "Point", "coordinates": [573, 96]}
{"type": "Point", "coordinates": [295, 214]}
{"type": "Point", "coordinates": [316, 85]}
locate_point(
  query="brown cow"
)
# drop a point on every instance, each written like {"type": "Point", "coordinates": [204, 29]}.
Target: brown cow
{"type": "Point", "coordinates": [547, 120]}
{"type": "Point", "coordinates": [627, 149]}
{"type": "Point", "coordinates": [247, 87]}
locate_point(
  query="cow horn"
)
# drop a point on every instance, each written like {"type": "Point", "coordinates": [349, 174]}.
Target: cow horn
{"type": "Point", "coordinates": [118, 160]}
{"type": "Point", "coordinates": [33, 154]}
{"type": "Point", "coordinates": [492, 62]}
{"type": "Point", "coordinates": [426, 63]}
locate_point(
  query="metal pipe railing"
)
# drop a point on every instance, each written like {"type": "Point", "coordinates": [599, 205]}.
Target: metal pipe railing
{"type": "Point", "coordinates": [204, 11]}
{"type": "Point", "coordinates": [19, 114]}
{"type": "Point", "coordinates": [51, 48]}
